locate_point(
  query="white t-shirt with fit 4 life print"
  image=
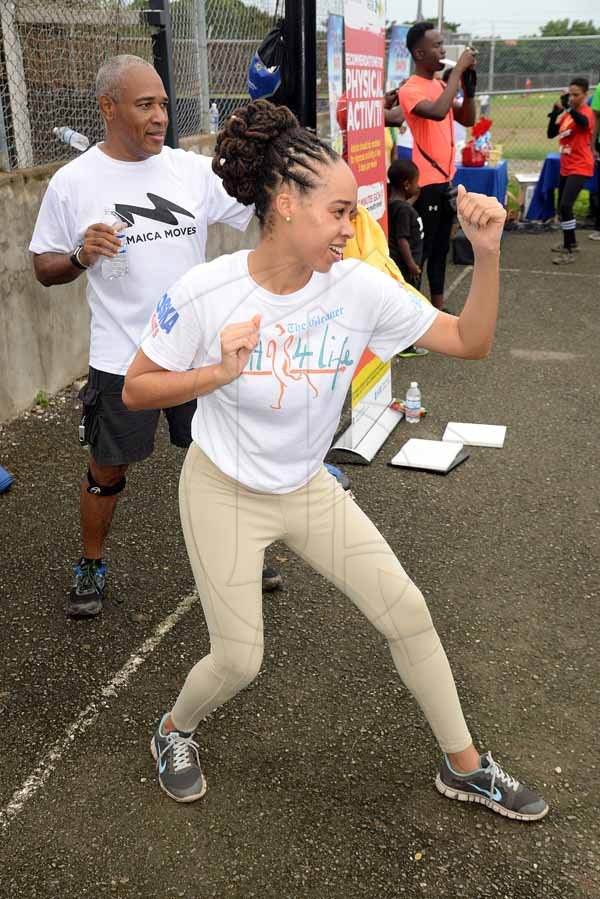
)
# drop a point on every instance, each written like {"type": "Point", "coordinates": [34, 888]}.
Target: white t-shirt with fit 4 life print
{"type": "Point", "coordinates": [169, 200]}
{"type": "Point", "coordinates": [271, 428]}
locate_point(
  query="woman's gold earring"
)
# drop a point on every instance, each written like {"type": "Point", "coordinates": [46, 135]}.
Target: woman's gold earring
{"type": "Point", "coordinates": [288, 218]}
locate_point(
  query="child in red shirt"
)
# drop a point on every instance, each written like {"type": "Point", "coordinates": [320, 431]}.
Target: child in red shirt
{"type": "Point", "coordinates": [573, 122]}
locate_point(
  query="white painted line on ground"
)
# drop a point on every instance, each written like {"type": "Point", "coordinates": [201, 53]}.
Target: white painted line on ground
{"type": "Point", "coordinates": [456, 282]}
{"type": "Point", "coordinates": [88, 716]}
{"type": "Point", "coordinates": [569, 274]}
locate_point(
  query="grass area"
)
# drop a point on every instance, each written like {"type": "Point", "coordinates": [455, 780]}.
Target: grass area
{"type": "Point", "coordinates": [519, 125]}
{"type": "Point", "coordinates": [512, 201]}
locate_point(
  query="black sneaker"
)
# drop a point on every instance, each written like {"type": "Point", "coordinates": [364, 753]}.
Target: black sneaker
{"type": "Point", "coordinates": [492, 786]}
{"type": "Point", "coordinates": [178, 764]}
{"type": "Point", "coordinates": [271, 579]}
{"type": "Point", "coordinates": [85, 598]}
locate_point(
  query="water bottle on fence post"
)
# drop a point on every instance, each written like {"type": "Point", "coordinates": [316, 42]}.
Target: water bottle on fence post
{"type": "Point", "coordinates": [72, 138]}
{"type": "Point", "coordinates": [115, 266]}
{"type": "Point", "coordinates": [412, 404]}
{"type": "Point", "coordinates": [213, 118]}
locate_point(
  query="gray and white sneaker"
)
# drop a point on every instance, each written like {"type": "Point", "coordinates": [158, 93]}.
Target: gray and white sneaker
{"type": "Point", "coordinates": [178, 764]}
{"type": "Point", "coordinates": [85, 598]}
{"type": "Point", "coordinates": [491, 786]}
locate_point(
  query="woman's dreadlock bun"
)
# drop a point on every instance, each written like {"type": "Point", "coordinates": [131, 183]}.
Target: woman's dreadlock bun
{"type": "Point", "coordinates": [245, 147]}
{"type": "Point", "coordinates": [260, 147]}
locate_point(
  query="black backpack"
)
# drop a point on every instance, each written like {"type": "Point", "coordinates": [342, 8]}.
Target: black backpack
{"type": "Point", "coordinates": [270, 76]}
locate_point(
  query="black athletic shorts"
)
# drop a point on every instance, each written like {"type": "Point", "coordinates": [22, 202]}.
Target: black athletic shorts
{"type": "Point", "coordinates": [117, 436]}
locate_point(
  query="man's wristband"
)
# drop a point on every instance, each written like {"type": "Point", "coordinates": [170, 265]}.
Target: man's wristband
{"type": "Point", "coordinates": [76, 261]}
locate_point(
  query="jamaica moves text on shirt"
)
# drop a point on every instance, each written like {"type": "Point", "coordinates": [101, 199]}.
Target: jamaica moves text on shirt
{"type": "Point", "coordinates": [156, 235]}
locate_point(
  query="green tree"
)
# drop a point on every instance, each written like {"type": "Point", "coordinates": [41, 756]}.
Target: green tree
{"type": "Point", "coordinates": [566, 28]}
{"type": "Point", "coordinates": [224, 18]}
{"type": "Point", "coordinates": [454, 27]}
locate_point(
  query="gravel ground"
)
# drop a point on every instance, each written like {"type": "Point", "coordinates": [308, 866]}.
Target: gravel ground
{"type": "Point", "coordinates": [321, 773]}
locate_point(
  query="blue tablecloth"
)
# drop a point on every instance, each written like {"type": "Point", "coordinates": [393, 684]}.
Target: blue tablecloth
{"type": "Point", "coordinates": [542, 205]}
{"type": "Point", "coordinates": [486, 179]}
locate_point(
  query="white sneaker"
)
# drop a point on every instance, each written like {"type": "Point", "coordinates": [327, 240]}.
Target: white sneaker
{"type": "Point", "coordinates": [595, 235]}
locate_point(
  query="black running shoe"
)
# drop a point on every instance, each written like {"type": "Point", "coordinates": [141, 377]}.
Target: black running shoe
{"type": "Point", "coordinates": [271, 579]}
{"type": "Point", "coordinates": [85, 598]}
{"type": "Point", "coordinates": [178, 764]}
{"type": "Point", "coordinates": [492, 786]}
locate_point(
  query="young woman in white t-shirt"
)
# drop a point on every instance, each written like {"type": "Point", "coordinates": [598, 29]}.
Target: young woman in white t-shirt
{"type": "Point", "coordinates": [267, 341]}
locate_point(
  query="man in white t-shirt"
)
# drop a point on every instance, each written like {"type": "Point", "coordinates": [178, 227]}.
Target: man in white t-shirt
{"type": "Point", "coordinates": [165, 199]}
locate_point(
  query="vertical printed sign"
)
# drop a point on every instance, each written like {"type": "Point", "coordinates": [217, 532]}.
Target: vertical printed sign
{"type": "Point", "coordinates": [365, 55]}
{"type": "Point", "coordinates": [335, 75]}
{"type": "Point", "coordinates": [373, 414]}
{"type": "Point", "coordinates": [398, 66]}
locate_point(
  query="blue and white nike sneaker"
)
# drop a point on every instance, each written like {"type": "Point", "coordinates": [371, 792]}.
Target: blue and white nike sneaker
{"type": "Point", "coordinates": [178, 764]}
{"type": "Point", "coordinates": [491, 786]}
{"type": "Point", "coordinates": [85, 598]}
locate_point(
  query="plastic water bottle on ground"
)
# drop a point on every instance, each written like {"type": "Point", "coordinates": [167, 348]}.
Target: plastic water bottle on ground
{"type": "Point", "coordinates": [412, 404]}
{"type": "Point", "coordinates": [72, 138]}
{"type": "Point", "coordinates": [213, 118]}
{"type": "Point", "coordinates": [115, 266]}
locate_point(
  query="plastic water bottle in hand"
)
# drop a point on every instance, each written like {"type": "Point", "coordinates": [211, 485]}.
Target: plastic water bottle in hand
{"type": "Point", "coordinates": [115, 266]}
{"type": "Point", "coordinates": [412, 404]}
{"type": "Point", "coordinates": [213, 118]}
{"type": "Point", "coordinates": [72, 138]}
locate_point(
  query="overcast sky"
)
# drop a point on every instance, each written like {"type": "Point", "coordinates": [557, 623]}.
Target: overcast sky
{"type": "Point", "coordinates": [511, 18]}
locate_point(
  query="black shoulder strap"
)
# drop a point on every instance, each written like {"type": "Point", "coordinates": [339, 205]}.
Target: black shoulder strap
{"type": "Point", "coordinates": [433, 162]}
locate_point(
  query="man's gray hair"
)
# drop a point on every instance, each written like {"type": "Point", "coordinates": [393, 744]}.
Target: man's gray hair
{"type": "Point", "coordinates": [112, 72]}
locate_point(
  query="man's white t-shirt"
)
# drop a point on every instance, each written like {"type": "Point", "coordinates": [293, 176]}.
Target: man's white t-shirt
{"type": "Point", "coordinates": [271, 428]}
{"type": "Point", "coordinates": [170, 199]}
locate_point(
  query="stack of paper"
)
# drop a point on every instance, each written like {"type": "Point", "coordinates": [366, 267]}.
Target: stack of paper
{"type": "Point", "coordinates": [430, 455]}
{"type": "Point", "coordinates": [474, 434]}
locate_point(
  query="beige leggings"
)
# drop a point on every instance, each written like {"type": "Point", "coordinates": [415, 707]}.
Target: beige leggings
{"type": "Point", "coordinates": [227, 528]}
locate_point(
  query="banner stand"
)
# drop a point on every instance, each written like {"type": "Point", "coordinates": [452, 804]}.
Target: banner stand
{"type": "Point", "coordinates": [361, 442]}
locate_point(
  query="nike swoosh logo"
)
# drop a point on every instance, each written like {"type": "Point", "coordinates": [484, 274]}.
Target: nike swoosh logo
{"type": "Point", "coordinates": [162, 765]}
{"type": "Point", "coordinates": [497, 794]}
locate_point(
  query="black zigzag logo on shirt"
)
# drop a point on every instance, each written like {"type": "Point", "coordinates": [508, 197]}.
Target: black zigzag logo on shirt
{"type": "Point", "coordinates": [161, 211]}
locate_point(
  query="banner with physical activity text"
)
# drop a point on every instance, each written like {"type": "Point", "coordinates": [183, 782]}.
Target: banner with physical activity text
{"type": "Point", "coordinates": [364, 28]}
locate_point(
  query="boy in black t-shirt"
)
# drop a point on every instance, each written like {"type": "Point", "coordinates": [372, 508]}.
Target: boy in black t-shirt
{"type": "Point", "coordinates": [405, 226]}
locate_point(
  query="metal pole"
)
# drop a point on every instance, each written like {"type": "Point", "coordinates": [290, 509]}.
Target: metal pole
{"type": "Point", "coordinates": [492, 61]}
{"type": "Point", "coordinates": [158, 17]}
{"type": "Point", "coordinates": [440, 15]}
{"type": "Point", "coordinates": [4, 157]}
{"type": "Point", "coordinates": [202, 58]}
{"type": "Point", "coordinates": [301, 42]}
{"type": "Point", "coordinates": [17, 86]}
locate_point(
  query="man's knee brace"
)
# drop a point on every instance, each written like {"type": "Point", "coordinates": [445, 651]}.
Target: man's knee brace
{"type": "Point", "coordinates": [97, 489]}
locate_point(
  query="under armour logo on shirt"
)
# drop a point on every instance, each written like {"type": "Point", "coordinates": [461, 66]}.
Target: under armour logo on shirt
{"type": "Point", "coordinates": [432, 208]}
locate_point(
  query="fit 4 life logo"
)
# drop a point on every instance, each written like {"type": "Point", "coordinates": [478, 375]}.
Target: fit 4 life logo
{"type": "Point", "coordinates": [289, 359]}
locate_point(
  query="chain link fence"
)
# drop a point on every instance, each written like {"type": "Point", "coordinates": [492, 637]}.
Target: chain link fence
{"type": "Point", "coordinates": [50, 53]}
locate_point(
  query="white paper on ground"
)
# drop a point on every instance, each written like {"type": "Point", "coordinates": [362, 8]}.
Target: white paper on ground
{"type": "Point", "coordinates": [433, 454]}
{"type": "Point", "coordinates": [475, 434]}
